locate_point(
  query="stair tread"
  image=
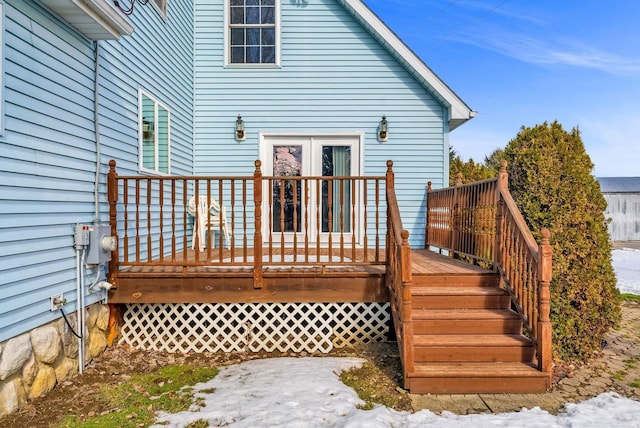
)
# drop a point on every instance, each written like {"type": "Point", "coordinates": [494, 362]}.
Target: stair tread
{"type": "Point", "coordinates": [464, 314]}
{"type": "Point", "coordinates": [458, 291]}
{"type": "Point", "coordinates": [476, 369]}
{"type": "Point", "coordinates": [471, 340]}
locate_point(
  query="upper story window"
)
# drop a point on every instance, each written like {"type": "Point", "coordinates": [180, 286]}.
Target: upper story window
{"type": "Point", "coordinates": [154, 130]}
{"type": "Point", "coordinates": [253, 33]}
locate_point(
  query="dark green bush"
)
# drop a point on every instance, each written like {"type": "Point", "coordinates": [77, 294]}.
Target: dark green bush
{"type": "Point", "coordinates": [551, 181]}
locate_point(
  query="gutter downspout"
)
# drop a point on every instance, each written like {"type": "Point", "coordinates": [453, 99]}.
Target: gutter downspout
{"type": "Point", "coordinates": [80, 285]}
{"type": "Point", "coordinates": [96, 127]}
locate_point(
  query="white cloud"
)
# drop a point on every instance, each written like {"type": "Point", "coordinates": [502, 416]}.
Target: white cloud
{"type": "Point", "coordinates": [542, 50]}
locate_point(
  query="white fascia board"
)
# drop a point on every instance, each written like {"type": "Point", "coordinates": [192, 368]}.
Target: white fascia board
{"type": "Point", "coordinates": [96, 19]}
{"type": "Point", "coordinates": [459, 111]}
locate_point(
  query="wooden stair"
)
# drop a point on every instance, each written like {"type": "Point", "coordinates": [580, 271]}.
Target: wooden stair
{"type": "Point", "coordinates": [466, 339]}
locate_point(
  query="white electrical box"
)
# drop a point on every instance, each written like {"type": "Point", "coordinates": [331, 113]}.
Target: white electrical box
{"type": "Point", "coordinates": [81, 235]}
{"type": "Point", "coordinates": [101, 244]}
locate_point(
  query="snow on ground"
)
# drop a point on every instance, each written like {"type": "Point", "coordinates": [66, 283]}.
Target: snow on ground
{"type": "Point", "coordinates": [626, 263]}
{"type": "Point", "coordinates": [306, 392]}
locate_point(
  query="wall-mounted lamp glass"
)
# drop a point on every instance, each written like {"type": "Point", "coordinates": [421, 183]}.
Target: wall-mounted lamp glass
{"type": "Point", "coordinates": [240, 136]}
{"type": "Point", "coordinates": [383, 134]}
{"type": "Point", "coordinates": [147, 130]}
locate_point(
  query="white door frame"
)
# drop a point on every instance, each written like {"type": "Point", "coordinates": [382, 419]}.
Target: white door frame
{"type": "Point", "coordinates": [313, 141]}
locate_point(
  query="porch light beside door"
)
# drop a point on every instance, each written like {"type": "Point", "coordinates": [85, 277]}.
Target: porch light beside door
{"type": "Point", "coordinates": [383, 134]}
{"type": "Point", "coordinates": [240, 135]}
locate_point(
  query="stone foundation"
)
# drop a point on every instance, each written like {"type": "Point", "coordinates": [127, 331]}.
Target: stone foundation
{"type": "Point", "coordinates": [33, 363]}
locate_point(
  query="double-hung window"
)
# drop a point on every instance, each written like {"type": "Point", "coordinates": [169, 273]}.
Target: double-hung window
{"type": "Point", "coordinates": [154, 130]}
{"type": "Point", "coordinates": [253, 32]}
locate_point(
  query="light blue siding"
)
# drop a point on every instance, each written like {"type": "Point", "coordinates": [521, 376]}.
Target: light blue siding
{"type": "Point", "coordinates": [334, 77]}
{"type": "Point", "coordinates": [48, 149]}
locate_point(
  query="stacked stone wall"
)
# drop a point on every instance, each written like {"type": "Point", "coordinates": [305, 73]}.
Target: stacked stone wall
{"type": "Point", "coordinates": [33, 363]}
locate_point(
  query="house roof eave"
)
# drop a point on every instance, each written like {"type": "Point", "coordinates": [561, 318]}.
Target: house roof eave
{"type": "Point", "coordinates": [459, 111]}
{"type": "Point", "coordinates": [95, 19]}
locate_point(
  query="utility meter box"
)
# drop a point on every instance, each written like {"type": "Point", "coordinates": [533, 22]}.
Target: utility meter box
{"type": "Point", "coordinates": [101, 244]}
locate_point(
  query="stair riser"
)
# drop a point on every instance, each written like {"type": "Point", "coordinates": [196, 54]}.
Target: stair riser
{"type": "Point", "coordinates": [459, 302]}
{"type": "Point", "coordinates": [456, 281]}
{"type": "Point", "coordinates": [467, 327]}
{"type": "Point", "coordinates": [505, 354]}
{"type": "Point", "coordinates": [478, 385]}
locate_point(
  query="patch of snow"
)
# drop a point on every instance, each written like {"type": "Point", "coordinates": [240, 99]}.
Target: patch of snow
{"type": "Point", "coordinates": [307, 392]}
{"type": "Point", "coordinates": [626, 263]}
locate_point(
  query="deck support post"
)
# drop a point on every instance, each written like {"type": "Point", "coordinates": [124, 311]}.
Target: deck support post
{"type": "Point", "coordinates": [112, 198]}
{"type": "Point", "coordinates": [407, 325]}
{"type": "Point", "coordinates": [544, 303]}
{"type": "Point", "coordinates": [257, 236]}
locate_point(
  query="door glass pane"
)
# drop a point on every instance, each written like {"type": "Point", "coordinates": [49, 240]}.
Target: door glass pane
{"type": "Point", "coordinates": [287, 196]}
{"type": "Point", "coordinates": [163, 140]}
{"type": "Point", "coordinates": [336, 194]}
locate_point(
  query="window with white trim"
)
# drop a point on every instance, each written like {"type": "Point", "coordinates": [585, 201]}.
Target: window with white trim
{"type": "Point", "coordinates": [253, 31]}
{"type": "Point", "coordinates": [154, 133]}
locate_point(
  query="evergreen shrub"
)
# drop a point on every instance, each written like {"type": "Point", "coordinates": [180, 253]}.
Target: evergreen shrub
{"type": "Point", "coordinates": [550, 178]}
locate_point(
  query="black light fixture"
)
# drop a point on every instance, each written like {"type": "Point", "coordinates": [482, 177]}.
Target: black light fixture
{"type": "Point", "coordinates": [383, 134]}
{"type": "Point", "coordinates": [147, 130]}
{"type": "Point", "coordinates": [240, 136]}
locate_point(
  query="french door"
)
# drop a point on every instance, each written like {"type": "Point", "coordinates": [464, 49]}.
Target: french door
{"type": "Point", "coordinates": [315, 208]}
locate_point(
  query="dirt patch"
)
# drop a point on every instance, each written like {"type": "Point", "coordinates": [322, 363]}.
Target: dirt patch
{"type": "Point", "coordinates": [635, 245]}
{"type": "Point", "coordinates": [616, 368]}
{"type": "Point", "coordinates": [80, 395]}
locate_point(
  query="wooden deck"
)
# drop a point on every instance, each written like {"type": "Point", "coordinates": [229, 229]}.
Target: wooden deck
{"type": "Point", "coordinates": [283, 281]}
{"type": "Point", "coordinates": [460, 328]}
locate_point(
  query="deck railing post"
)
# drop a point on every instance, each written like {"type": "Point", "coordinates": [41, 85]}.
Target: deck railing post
{"type": "Point", "coordinates": [406, 259]}
{"type": "Point", "coordinates": [389, 184]}
{"type": "Point", "coordinates": [257, 235]}
{"type": "Point", "coordinates": [426, 229]}
{"type": "Point", "coordinates": [502, 184]}
{"type": "Point", "coordinates": [455, 229]}
{"type": "Point", "coordinates": [544, 303]}
{"type": "Point", "coordinates": [112, 198]}
{"type": "Point", "coordinates": [407, 324]}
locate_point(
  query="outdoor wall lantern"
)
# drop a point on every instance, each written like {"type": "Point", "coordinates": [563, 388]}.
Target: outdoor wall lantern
{"type": "Point", "coordinates": [383, 134]}
{"type": "Point", "coordinates": [147, 130]}
{"type": "Point", "coordinates": [240, 136]}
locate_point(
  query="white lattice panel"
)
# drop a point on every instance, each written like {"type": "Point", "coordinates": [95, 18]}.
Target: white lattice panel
{"type": "Point", "coordinates": [284, 327]}
{"type": "Point", "coordinates": [355, 323]}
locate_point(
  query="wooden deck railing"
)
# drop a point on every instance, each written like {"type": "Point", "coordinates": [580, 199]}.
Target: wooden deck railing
{"type": "Point", "coordinates": [398, 275]}
{"type": "Point", "coordinates": [151, 219]}
{"type": "Point", "coordinates": [481, 223]}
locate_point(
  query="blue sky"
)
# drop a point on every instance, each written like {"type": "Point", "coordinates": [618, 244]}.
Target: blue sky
{"type": "Point", "coordinates": [522, 62]}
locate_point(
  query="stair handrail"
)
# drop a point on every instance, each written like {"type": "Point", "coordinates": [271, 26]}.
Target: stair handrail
{"type": "Point", "coordinates": [481, 223]}
{"type": "Point", "coordinates": [398, 275]}
{"type": "Point", "coordinates": [525, 268]}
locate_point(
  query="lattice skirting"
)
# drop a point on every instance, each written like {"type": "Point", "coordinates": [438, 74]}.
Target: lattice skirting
{"type": "Point", "coordinates": [254, 327]}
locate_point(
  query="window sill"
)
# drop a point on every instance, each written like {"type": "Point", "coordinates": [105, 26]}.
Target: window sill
{"type": "Point", "coordinates": [253, 66]}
